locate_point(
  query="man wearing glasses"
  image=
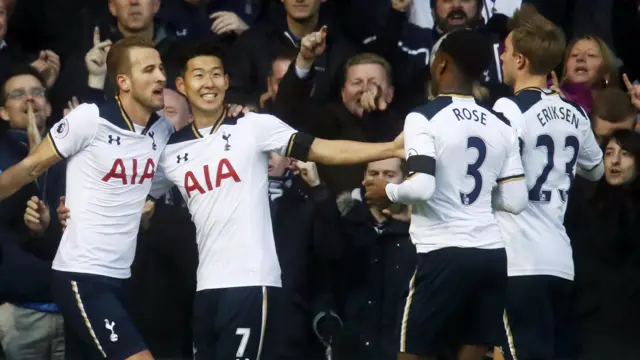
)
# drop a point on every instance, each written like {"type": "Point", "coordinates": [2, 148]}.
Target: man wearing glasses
{"type": "Point", "coordinates": [30, 325]}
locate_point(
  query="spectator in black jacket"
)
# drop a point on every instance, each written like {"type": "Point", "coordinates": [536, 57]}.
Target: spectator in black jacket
{"type": "Point", "coordinates": [366, 112]}
{"type": "Point", "coordinates": [254, 51]}
{"type": "Point", "coordinates": [375, 271]}
{"type": "Point", "coordinates": [30, 325]}
{"type": "Point", "coordinates": [604, 233]}
{"type": "Point", "coordinates": [305, 226]}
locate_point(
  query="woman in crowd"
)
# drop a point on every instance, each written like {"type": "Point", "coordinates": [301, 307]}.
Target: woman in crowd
{"type": "Point", "coordinates": [604, 228]}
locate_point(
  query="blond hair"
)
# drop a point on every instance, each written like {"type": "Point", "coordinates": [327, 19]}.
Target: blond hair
{"type": "Point", "coordinates": [537, 39]}
{"type": "Point", "coordinates": [609, 67]}
{"type": "Point", "coordinates": [369, 58]}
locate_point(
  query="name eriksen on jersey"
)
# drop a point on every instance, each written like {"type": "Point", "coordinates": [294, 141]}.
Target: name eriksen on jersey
{"type": "Point", "coordinates": [466, 114]}
{"type": "Point", "coordinates": [557, 113]}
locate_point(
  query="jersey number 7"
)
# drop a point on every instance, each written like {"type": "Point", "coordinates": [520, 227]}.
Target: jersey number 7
{"type": "Point", "coordinates": [473, 170]}
{"type": "Point", "coordinates": [537, 193]}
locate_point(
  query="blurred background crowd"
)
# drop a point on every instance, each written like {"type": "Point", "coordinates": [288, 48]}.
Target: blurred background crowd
{"type": "Point", "coordinates": [345, 264]}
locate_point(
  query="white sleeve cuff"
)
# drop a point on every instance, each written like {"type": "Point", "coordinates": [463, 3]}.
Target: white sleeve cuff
{"type": "Point", "coordinates": [302, 73]}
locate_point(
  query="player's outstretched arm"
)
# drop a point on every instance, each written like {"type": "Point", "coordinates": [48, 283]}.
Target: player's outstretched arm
{"type": "Point", "coordinates": [28, 170]}
{"type": "Point", "coordinates": [344, 152]}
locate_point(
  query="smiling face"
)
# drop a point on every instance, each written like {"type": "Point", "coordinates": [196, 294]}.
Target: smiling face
{"type": "Point", "coordinates": [204, 84]}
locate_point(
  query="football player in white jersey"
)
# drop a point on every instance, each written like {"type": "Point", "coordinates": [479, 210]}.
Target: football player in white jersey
{"type": "Point", "coordinates": [219, 163]}
{"type": "Point", "coordinates": [457, 152]}
{"type": "Point", "coordinates": [555, 138]}
{"type": "Point", "coordinates": [112, 150]}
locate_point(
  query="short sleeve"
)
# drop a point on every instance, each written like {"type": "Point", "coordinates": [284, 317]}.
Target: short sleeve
{"type": "Point", "coordinates": [419, 144]}
{"type": "Point", "coordinates": [161, 184]}
{"type": "Point", "coordinates": [511, 111]}
{"type": "Point", "coordinates": [272, 134]}
{"type": "Point", "coordinates": [512, 168]}
{"type": "Point", "coordinates": [75, 131]}
{"type": "Point", "coordinates": [590, 153]}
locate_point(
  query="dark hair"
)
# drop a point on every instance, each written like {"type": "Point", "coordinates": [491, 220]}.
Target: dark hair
{"type": "Point", "coordinates": [20, 70]}
{"type": "Point", "coordinates": [613, 105]}
{"type": "Point", "coordinates": [470, 51]}
{"type": "Point", "coordinates": [283, 54]}
{"type": "Point", "coordinates": [628, 140]}
{"type": "Point", "coordinates": [201, 48]}
{"type": "Point", "coordinates": [118, 61]}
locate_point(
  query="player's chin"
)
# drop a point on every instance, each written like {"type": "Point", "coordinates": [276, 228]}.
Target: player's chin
{"type": "Point", "coordinates": [156, 103]}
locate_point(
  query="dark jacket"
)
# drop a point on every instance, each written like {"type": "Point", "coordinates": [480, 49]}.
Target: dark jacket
{"type": "Point", "coordinates": [25, 271]}
{"type": "Point", "coordinates": [305, 226]}
{"type": "Point", "coordinates": [374, 279]}
{"type": "Point", "coordinates": [254, 51]}
{"type": "Point", "coordinates": [163, 279]}
{"type": "Point", "coordinates": [604, 228]}
{"type": "Point", "coordinates": [332, 121]}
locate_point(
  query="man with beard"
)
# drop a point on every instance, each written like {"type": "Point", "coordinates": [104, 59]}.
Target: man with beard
{"type": "Point", "coordinates": [408, 46]}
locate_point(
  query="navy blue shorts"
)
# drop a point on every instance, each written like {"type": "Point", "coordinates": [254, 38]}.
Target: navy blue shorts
{"type": "Point", "coordinates": [234, 323]}
{"type": "Point", "coordinates": [456, 297]}
{"type": "Point", "coordinates": [536, 319]}
{"type": "Point", "coordinates": [95, 321]}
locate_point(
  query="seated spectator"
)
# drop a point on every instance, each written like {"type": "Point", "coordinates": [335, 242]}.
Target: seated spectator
{"type": "Point", "coordinates": [255, 49]}
{"type": "Point", "coordinates": [379, 260]}
{"type": "Point", "coordinates": [612, 111]}
{"type": "Point", "coordinates": [30, 325]}
{"type": "Point", "coordinates": [589, 67]}
{"type": "Point", "coordinates": [364, 114]}
{"type": "Point", "coordinates": [603, 229]}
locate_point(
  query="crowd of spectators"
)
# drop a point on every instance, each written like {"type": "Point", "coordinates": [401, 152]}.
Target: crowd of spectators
{"type": "Point", "coordinates": [345, 264]}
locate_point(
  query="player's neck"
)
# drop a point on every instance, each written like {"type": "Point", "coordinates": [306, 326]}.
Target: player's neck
{"type": "Point", "coordinates": [302, 28]}
{"type": "Point", "coordinates": [530, 81]}
{"type": "Point", "coordinates": [137, 113]}
{"type": "Point", "coordinates": [456, 90]}
{"type": "Point", "coordinates": [207, 119]}
{"type": "Point", "coordinates": [144, 33]}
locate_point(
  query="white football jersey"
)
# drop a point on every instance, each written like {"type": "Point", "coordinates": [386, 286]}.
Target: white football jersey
{"type": "Point", "coordinates": [111, 163]}
{"type": "Point", "coordinates": [474, 149]}
{"type": "Point", "coordinates": [554, 136]}
{"type": "Point", "coordinates": [221, 172]}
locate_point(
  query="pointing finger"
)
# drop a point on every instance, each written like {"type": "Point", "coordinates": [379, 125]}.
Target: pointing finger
{"type": "Point", "coordinates": [627, 83]}
{"type": "Point", "coordinates": [96, 36]}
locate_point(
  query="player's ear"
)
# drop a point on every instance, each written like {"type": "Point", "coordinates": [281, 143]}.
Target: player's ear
{"type": "Point", "coordinates": [226, 82]}
{"type": "Point", "coordinates": [123, 83]}
{"type": "Point", "coordinates": [4, 114]}
{"type": "Point", "coordinates": [180, 86]}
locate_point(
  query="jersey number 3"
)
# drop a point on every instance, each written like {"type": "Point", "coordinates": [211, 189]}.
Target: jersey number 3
{"type": "Point", "coordinates": [473, 170]}
{"type": "Point", "coordinates": [537, 193]}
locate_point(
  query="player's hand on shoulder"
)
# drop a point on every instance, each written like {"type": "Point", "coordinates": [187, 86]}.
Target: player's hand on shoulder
{"type": "Point", "coordinates": [37, 216]}
{"type": "Point", "coordinates": [234, 110]}
{"type": "Point", "coordinates": [147, 214]}
{"type": "Point", "coordinates": [63, 213]}
{"type": "Point", "coordinates": [309, 172]}
{"type": "Point", "coordinates": [375, 193]}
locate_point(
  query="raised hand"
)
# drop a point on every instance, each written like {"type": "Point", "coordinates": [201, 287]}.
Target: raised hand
{"type": "Point", "coordinates": [375, 193]}
{"type": "Point", "coordinates": [37, 216]}
{"type": "Point", "coordinates": [96, 60]}
{"type": "Point", "coordinates": [555, 84]}
{"type": "Point", "coordinates": [33, 130]}
{"type": "Point", "coordinates": [311, 46]}
{"type": "Point", "coordinates": [633, 91]}
{"type": "Point", "coordinates": [401, 5]}
{"type": "Point", "coordinates": [372, 99]}
{"type": "Point", "coordinates": [48, 65]}
{"type": "Point", "coordinates": [226, 22]}
{"type": "Point", "coordinates": [63, 213]}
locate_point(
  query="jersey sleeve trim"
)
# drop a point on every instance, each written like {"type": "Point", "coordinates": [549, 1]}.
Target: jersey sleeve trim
{"type": "Point", "coordinates": [299, 146]}
{"type": "Point", "coordinates": [510, 178]}
{"type": "Point", "coordinates": [422, 164]}
{"type": "Point", "coordinates": [55, 148]}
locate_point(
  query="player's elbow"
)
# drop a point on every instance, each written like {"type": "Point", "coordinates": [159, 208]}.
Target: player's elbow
{"type": "Point", "coordinates": [593, 174]}
{"type": "Point", "coordinates": [519, 199]}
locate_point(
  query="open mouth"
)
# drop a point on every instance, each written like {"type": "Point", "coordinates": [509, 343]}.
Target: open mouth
{"type": "Point", "coordinates": [158, 92]}
{"type": "Point", "coordinates": [209, 96]}
{"type": "Point", "coordinates": [457, 19]}
{"type": "Point", "coordinates": [581, 70]}
{"type": "Point", "coordinates": [615, 172]}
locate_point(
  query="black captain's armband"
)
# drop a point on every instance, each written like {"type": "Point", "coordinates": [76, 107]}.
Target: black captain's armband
{"type": "Point", "coordinates": [299, 146]}
{"type": "Point", "coordinates": [422, 164]}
